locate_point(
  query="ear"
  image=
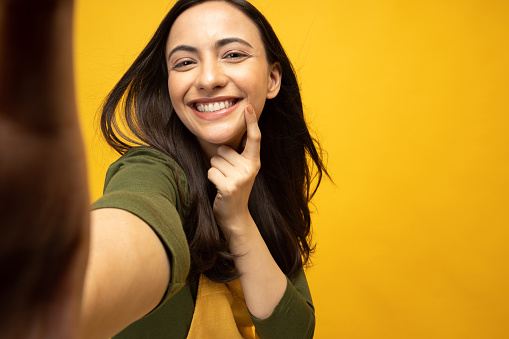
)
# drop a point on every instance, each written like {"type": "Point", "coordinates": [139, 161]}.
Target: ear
{"type": "Point", "coordinates": [274, 84]}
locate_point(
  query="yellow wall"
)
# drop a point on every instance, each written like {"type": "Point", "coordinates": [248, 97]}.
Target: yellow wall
{"type": "Point", "coordinates": [410, 100]}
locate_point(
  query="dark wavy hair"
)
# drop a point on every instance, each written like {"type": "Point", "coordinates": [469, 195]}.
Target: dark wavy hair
{"type": "Point", "coordinates": [291, 159]}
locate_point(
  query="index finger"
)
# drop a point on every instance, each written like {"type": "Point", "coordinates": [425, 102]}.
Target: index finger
{"type": "Point", "coordinates": [254, 136]}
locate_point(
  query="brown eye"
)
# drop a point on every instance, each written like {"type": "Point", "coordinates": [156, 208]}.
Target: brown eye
{"type": "Point", "coordinates": [183, 64]}
{"type": "Point", "coordinates": [235, 55]}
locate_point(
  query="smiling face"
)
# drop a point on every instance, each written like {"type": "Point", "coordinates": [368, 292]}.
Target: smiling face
{"type": "Point", "coordinates": [217, 66]}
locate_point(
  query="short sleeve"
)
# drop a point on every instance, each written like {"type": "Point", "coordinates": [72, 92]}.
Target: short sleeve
{"type": "Point", "coordinates": [294, 315]}
{"type": "Point", "coordinates": [143, 182]}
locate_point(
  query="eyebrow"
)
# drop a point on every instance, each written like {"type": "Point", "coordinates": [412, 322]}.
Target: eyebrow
{"type": "Point", "coordinates": [184, 48]}
{"type": "Point", "coordinates": [226, 41]}
{"type": "Point", "coordinates": [217, 45]}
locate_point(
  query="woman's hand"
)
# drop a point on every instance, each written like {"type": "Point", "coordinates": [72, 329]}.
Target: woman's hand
{"type": "Point", "coordinates": [263, 283]}
{"type": "Point", "coordinates": [233, 174]}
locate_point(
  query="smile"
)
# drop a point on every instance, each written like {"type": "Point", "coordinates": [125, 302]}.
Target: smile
{"type": "Point", "coordinates": [214, 106]}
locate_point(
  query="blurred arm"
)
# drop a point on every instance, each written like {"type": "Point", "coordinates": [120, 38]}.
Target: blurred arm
{"type": "Point", "coordinates": [44, 199]}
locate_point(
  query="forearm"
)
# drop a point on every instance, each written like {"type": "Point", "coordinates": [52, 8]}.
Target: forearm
{"type": "Point", "coordinates": [280, 308]}
{"type": "Point", "coordinates": [38, 116]}
{"type": "Point", "coordinates": [40, 142]}
{"type": "Point", "coordinates": [263, 282]}
{"type": "Point", "coordinates": [127, 275]}
{"type": "Point", "coordinates": [42, 168]}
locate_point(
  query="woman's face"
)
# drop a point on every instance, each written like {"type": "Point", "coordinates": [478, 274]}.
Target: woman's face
{"type": "Point", "coordinates": [217, 66]}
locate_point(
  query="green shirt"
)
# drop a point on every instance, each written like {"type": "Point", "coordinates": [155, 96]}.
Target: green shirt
{"type": "Point", "coordinates": [143, 182]}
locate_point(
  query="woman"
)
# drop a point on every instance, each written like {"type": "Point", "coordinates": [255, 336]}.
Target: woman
{"type": "Point", "coordinates": [204, 233]}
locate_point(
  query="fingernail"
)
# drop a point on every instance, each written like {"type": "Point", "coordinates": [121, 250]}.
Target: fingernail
{"type": "Point", "coordinates": [249, 109]}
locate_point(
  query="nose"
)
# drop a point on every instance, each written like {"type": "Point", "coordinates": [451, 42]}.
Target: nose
{"type": "Point", "coordinates": [211, 75]}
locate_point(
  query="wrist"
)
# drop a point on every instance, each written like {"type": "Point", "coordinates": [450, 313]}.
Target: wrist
{"type": "Point", "coordinates": [239, 229]}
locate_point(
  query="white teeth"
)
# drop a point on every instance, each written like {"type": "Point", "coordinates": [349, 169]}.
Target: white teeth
{"type": "Point", "coordinates": [212, 107]}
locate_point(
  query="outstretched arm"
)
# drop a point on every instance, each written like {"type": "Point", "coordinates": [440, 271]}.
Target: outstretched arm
{"type": "Point", "coordinates": [43, 189]}
{"type": "Point", "coordinates": [44, 206]}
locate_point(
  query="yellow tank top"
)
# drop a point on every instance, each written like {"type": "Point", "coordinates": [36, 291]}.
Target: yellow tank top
{"type": "Point", "coordinates": [221, 312]}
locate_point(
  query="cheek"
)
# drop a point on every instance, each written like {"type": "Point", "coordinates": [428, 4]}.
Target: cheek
{"type": "Point", "coordinates": [179, 85]}
{"type": "Point", "coordinates": [259, 95]}
{"type": "Point", "coordinates": [176, 92]}
{"type": "Point", "coordinates": [254, 84]}
{"type": "Point", "coordinates": [173, 90]}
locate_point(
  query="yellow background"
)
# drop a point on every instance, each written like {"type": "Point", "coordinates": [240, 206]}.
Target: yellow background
{"type": "Point", "coordinates": [410, 100]}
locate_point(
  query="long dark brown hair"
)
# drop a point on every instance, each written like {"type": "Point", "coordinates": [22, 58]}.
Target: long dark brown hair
{"type": "Point", "coordinates": [291, 159]}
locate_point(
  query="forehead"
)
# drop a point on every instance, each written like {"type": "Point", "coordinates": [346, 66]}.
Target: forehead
{"type": "Point", "coordinates": [208, 22]}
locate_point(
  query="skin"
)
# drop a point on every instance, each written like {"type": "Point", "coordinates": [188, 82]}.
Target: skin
{"type": "Point", "coordinates": [42, 156]}
{"type": "Point", "coordinates": [127, 274]}
{"type": "Point", "coordinates": [128, 269]}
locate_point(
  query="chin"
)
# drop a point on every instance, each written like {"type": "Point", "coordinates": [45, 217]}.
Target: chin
{"type": "Point", "coordinates": [221, 139]}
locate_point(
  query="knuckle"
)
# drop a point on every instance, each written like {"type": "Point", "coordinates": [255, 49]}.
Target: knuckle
{"type": "Point", "coordinates": [215, 161]}
{"type": "Point", "coordinates": [257, 136]}
{"type": "Point", "coordinates": [222, 149]}
{"type": "Point", "coordinates": [254, 167]}
{"type": "Point", "coordinates": [246, 172]}
{"type": "Point", "coordinates": [230, 189]}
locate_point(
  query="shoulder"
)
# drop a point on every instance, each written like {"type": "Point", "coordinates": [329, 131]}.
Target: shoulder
{"type": "Point", "coordinates": [148, 158]}
{"type": "Point", "coordinates": [146, 172]}
{"type": "Point", "coordinates": [147, 165]}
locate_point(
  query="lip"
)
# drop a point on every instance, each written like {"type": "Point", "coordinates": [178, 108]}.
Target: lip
{"type": "Point", "coordinates": [214, 99]}
{"type": "Point", "coordinates": [217, 114]}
